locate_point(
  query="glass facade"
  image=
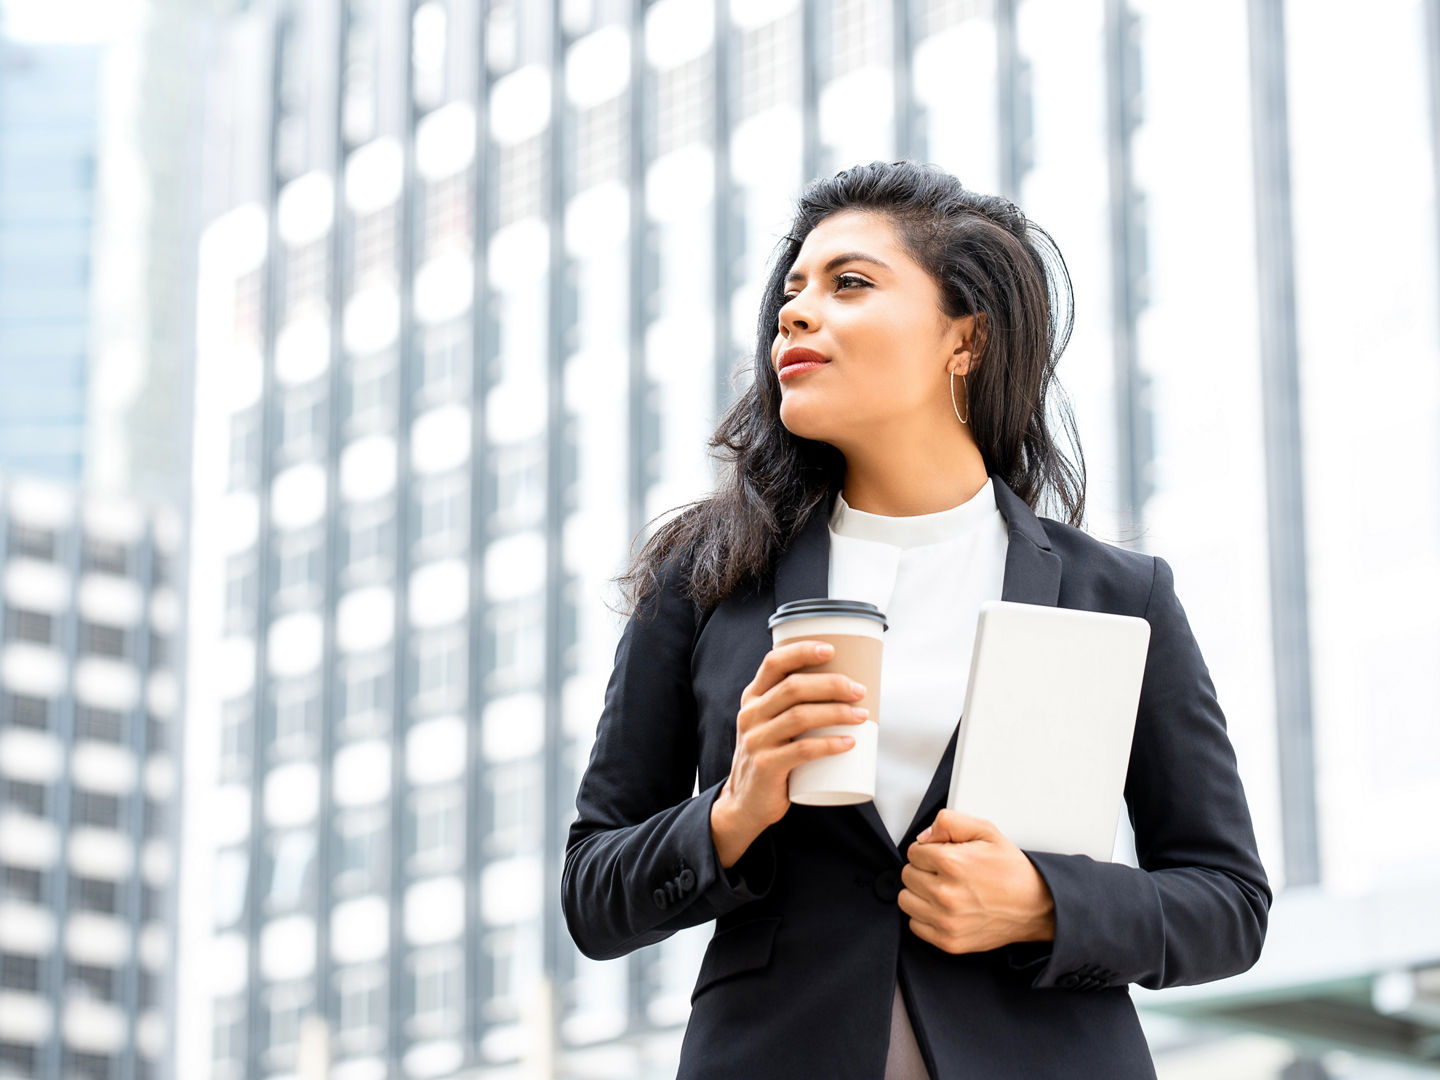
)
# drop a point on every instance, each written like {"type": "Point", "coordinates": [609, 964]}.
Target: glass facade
{"type": "Point", "coordinates": [489, 280]}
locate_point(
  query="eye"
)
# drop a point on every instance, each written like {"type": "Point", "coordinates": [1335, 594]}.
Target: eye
{"type": "Point", "coordinates": [785, 298]}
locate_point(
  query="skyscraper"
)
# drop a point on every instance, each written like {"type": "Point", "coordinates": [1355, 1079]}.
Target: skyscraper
{"type": "Point", "coordinates": [48, 135]}
{"type": "Point", "coordinates": [482, 281]}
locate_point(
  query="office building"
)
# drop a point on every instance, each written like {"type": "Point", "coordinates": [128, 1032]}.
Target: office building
{"type": "Point", "coordinates": [89, 718]}
{"type": "Point", "coordinates": [482, 280]}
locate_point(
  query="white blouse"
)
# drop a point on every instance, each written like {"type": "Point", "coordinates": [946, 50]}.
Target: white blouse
{"type": "Point", "coordinates": [929, 574]}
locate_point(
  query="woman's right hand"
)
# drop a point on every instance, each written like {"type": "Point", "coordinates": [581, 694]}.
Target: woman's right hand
{"type": "Point", "coordinates": [780, 703]}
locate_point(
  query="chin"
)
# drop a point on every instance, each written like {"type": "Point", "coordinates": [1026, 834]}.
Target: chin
{"type": "Point", "coordinates": [803, 420]}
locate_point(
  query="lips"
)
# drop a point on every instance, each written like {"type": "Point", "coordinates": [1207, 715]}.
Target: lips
{"type": "Point", "coordinates": [801, 355]}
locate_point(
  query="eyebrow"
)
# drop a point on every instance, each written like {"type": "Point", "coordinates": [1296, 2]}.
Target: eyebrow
{"type": "Point", "coordinates": [849, 256]}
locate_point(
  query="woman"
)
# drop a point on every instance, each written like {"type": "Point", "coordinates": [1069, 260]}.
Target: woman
{"type": "Point", "coordinates": [897, 938]}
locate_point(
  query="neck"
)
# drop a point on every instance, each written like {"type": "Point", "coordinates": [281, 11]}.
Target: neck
{"type": "Point", "coordinates": [909, 483]}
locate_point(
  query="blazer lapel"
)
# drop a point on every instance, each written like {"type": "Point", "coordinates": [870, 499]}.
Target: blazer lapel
{"type": "Point", "coordinates": [1032, 576]}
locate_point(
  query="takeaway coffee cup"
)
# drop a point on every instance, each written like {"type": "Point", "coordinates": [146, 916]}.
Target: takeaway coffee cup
{"type": "Point", "coordinates": [854, 628]}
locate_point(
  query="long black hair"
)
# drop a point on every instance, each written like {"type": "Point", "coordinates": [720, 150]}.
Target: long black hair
{"type": "Point", "coordinates": [987, 257]}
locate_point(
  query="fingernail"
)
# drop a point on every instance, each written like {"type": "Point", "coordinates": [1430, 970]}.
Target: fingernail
{"type": "Point", "coordinates": [856, 688]}
{"type": "Point", "coordinates": [824, 650]}
{"type": "Point", "coordinates": [859, 712]}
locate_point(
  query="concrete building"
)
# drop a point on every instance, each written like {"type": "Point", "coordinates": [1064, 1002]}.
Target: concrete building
{"type": "Point", "coordinates": [89, 728]}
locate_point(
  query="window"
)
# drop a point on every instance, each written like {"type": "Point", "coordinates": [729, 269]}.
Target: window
{"type": "Point", "coordinates": [22, 884]}
{"type": "Point", "coordinates": [150, 989]}
{"type": "Point", "coordinates": [302, 419]}
{"type": "Point", "coordinates": [305, 277]}
{"type": "Point", "coordinates": [228, 882]}
{"type": "Point", "coordinates": [297, 717]}
{"type": "Point", "coordinates": [372, 388]}
{"type": "Point", "coordinates": [445, 360]}
{"type": "Point", "coordinates": [439, 838]}
{"type": "Point", "coordinates": [292, 857]}
{"type": "Point", "coordinates": [361, 857]}
{"type": "Point", "coordinates": [442, 514]}
{"type": "Point", "coordinates": [36, 626]}
{"type": "Point", "coordinates": [92, 894]}
{"type": "Point", "coordinates": [24, 796]}
{"type": "Point", "coordinates": [96, 808]}
{"type": "Point", "coordinates": [515, 808]}
{"type": "Point", "coordinates": [360, 1024]}
{"type": "Point", "coordinates": [90, 981]}
{"type": "Point", "coordinates": [369, 541]}
{"type": "Point", "coordinates": [512, 957]}
{"type": "Point", "coordinates": [19, 972]}
{"type": "Point", "coordinates": [448, 213]}
{"type": "Point", "coordinates": [438, 989]}
{"type": "Point", "coordinates": [105, 556]}
{"type": "Point", "coordinates": [21, 1058]}
{"type": "Point", "coordinates": [299, 567]}
{"type": "Point", "coordinates": [159, 651]}
{"type": "Point", "coordinates": [235, 739]}
{"type": "Point", "coordinates": [367, 694]}
{"type": "Point", "coordinates": [80, 1066]}
{"type": "Point", "coordinates": [98, 640]}
{"type": "Point", "coordinates": [157, 734]}
{"type": "Point", "coordinates": [32, 542]}
{"type": "Point", "coordinates": [152, 903]}
{"type": "Point", "coordinates": [28, 712]}
{"type": "Point", "coordinates": [284, 1006]}
{"type": "Point", "coordinates": [518, 641]}
{"type": "Point", "coordinates": [241, 592]}
{"type": "Point", "coordinates": [600, 141]}
{"type": "Point", "coordinates": [520, 172]}
{"type": "Point", "coordinates": [373, 250]}
{"type": "Point", "coordinates": [228, 1030]}
{"type": "Point", "coordinates": [105, 725]}
{"type": "Point", "coordinates": [245, 448]}
{"type": "Point", "coordinates": [156, 816]}
{"type": "Point", "coordinates": [520, 482]}
{"type": "Point", "coordinates": [440, 671]}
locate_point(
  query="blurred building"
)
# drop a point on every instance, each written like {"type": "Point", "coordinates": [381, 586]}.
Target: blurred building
{"type": "Point", "coordinates": [477, 283]}
{"type": "Point", "coordinates": [49, 102]}
{"type": "Point", "coordinates": [88, 784]}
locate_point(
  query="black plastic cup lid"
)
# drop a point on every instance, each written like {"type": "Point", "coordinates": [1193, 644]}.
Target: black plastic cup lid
{"type": "Point", "coordinates": [815, 606]}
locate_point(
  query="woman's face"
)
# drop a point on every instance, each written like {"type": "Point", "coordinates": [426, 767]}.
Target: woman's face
{"type": "Point", "coordinates": [875, 316]}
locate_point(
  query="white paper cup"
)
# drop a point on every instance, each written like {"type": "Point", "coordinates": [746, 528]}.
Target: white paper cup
{"type": "Point", "coordinates": [855, 628]}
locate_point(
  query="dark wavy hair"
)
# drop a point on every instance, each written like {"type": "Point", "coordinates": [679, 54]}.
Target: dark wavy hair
{"type": "Point", "coordinates": [987, 257]}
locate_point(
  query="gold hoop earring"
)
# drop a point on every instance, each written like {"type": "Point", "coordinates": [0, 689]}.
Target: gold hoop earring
{"type": "Point", "coordinates": [966, 418]}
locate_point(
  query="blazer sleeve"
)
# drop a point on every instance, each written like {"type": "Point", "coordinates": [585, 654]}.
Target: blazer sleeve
{"type": "Point", "coordinates": [1196, 909]}
{"type": "Point", "coordinates": [640, 862]}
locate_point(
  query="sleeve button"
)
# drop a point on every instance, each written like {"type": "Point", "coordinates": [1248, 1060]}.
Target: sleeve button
{"type": "Point", "coordinates": [661, 901]}
{"type": "Point", "coordinates": [687, 879]}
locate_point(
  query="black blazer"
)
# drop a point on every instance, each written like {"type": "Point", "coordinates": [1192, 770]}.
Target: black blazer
{"type": "Point", "coordinates": [798, 978]}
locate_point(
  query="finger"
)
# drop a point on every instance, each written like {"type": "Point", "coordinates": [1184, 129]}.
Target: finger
{"type": "Point", "coordinates": [783, 659]}
{"type": "Point", "coordinates": [797, 751]}
{"type": "Point", "coordinates": [918, 907]}
{"type": "Point", "coordinates": [925, 932]}
{"type": "Point", "coordinates": [804, 689]}
{"type": "Point", "coordinates": [951, 826]}
{"type": "Point", "coordinates": [935, 859]}
{"type": "Point", "coordinates": [924, 878]}
{"type": "Point", "coordinates": [801, 719]}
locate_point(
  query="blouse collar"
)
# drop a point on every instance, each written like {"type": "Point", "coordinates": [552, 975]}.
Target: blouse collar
{"type": "Point", "coordinates": [918, 529]}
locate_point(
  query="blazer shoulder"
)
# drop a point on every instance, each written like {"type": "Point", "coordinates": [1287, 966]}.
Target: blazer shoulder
{"type": "Point", "coordinates": [1123, 575]}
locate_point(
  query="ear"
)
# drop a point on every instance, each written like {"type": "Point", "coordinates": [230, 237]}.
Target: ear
{"type": "Point", "coordinates": [963, 343]}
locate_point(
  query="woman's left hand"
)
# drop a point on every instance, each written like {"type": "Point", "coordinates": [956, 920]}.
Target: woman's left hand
{"type": "Point", "coordinates": [969, 889]}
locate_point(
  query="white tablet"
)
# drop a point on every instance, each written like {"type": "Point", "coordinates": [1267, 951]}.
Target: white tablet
{"type": "Point", "coordinates": [1044, 740]}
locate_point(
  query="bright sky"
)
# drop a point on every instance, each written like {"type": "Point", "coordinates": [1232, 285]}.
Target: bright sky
{"type": "Point", "coordinates": [65, 20]}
